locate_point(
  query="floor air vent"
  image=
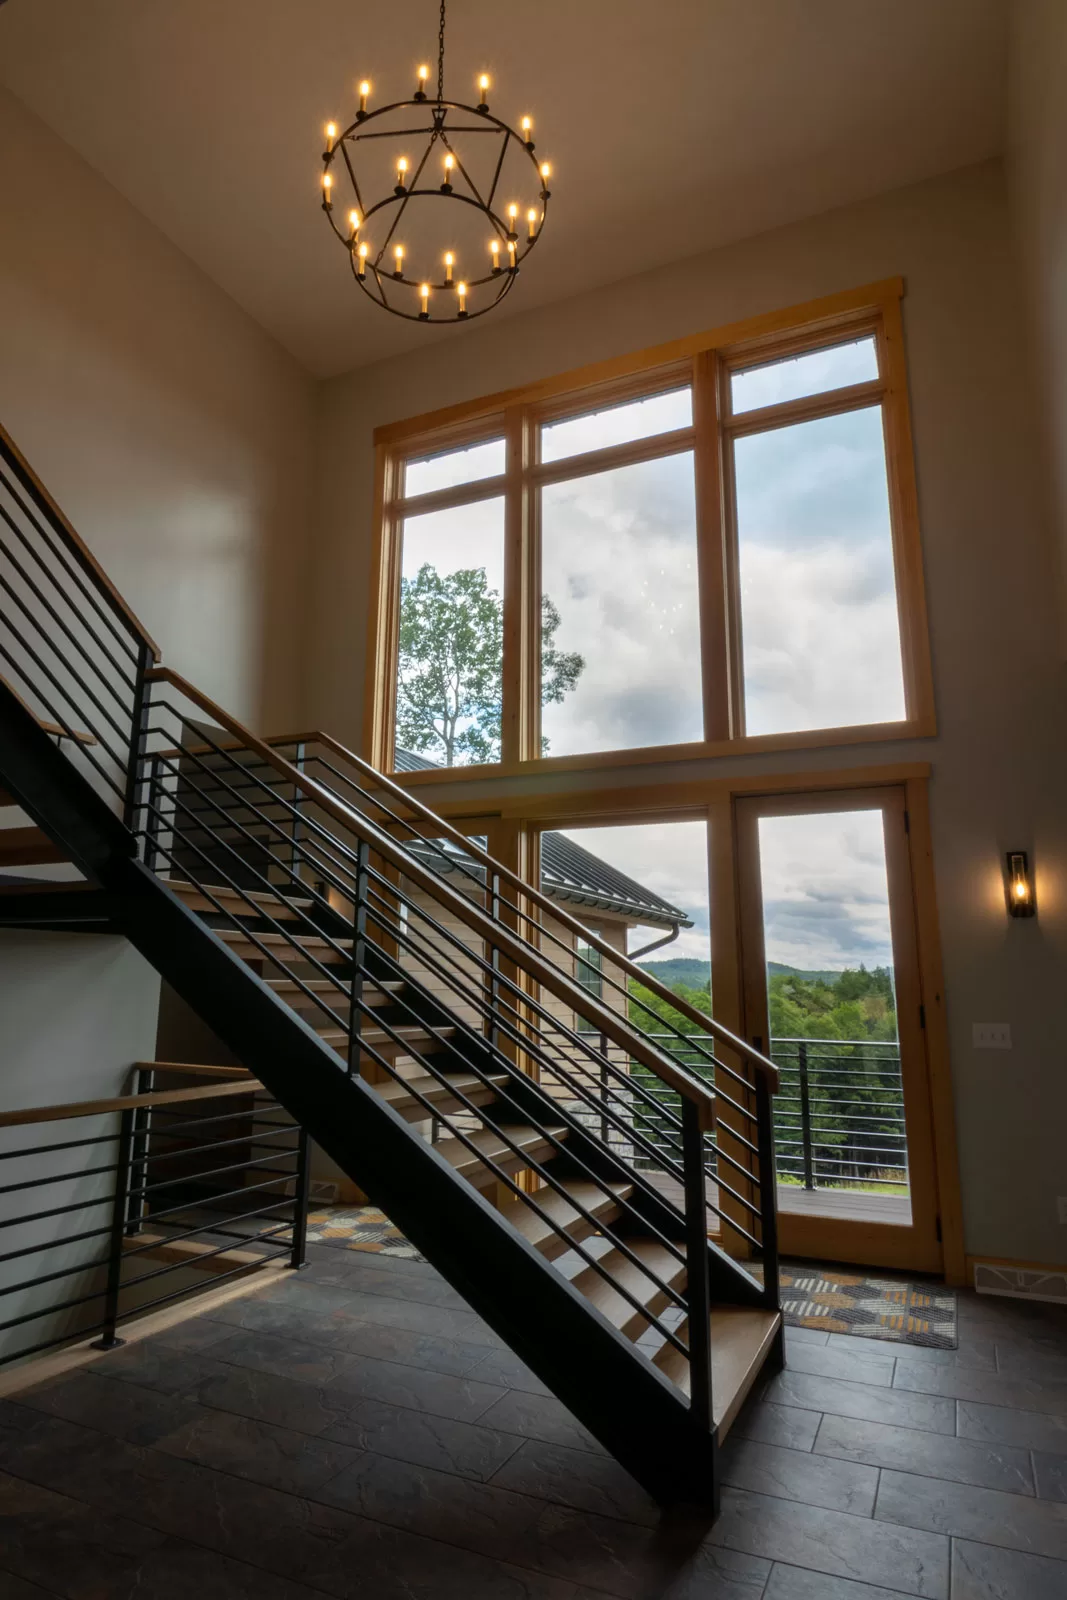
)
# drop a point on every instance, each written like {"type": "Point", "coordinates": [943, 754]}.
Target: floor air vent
{"type": "Point", "coordinates": [1021, 1284]}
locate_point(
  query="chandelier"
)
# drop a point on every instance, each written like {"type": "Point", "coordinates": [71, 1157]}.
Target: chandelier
{"type": "Point", "coordinates": [444, 200]}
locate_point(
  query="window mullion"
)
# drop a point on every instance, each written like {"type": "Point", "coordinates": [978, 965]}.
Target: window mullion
{"type": "Point", "coordinates": [717, 673]}
{"type": "Point", "coordinates": [515, 688]}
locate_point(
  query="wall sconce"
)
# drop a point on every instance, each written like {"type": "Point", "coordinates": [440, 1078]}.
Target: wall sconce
{"type": "Point", "coordinates": [1020, 885]}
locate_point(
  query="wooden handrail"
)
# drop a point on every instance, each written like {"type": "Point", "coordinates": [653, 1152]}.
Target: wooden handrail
{"type": "Point", "coordinates": [195, 1069]}
{"type": "Point", "coordinates": [444, 829]}
{"type": "Point", "coordinates": [126, 1102]}
{"type": "Point", "coordinates": [78, 549]}
{"type": "Point", "coordinates": [513, 948]}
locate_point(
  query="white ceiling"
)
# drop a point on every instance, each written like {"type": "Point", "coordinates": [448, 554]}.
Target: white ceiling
{"type": "Point", "coordinates": [672, 125]}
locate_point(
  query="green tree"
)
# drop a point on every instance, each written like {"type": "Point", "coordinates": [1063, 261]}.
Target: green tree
{"type": "Point", "coordinates": [451, 665]}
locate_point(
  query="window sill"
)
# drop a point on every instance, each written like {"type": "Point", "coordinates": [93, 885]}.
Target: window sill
{"type": "Point", "coordinates": [661, 755]}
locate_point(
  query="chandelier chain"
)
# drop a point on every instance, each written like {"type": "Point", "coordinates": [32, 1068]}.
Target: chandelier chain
{"type": "Point", "coordinates": [441, 56]}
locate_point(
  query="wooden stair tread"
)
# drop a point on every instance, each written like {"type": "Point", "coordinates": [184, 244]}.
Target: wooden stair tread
{"type": "Point", "coordinates": [281, 948]}
{"type": "Point", "coordinates": [607, 1299]}
{"type": "Point", "coordinates": [28, 847]}
{"type": "Point", "coordinates": [532, 1143]}
{"type": "Point", "coordinates": [374, 994]}
{"type": "Point", "coordinates": [400, 1094]}
{"type": "Point", "coordinates": [740, 1339]}
{"type": "Point", "coordinates": [196, 896]}
{"type": "Point", "coordinates": [601, 1203]}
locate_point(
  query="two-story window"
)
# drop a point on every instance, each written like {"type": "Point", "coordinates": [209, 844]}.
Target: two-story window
{"type": "Point", "coordinates": [713, 551]}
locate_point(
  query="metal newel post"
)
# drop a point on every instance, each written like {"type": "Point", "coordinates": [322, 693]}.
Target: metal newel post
{"type": "Point", "coordinates": [359, 955]}
{"type": "Point", "coordinates": [138, 738]}
{"type": "Point", "coordinates": [494, 961]}
{"type": "Point", "coordinates": [108, 1340]}
{"type": "Point", "coordinates": [298, 1258]}
{"type": "Point", "coordinates": [768, 1189]}
{"type": "Point", "coordinates": [805, 1115]}
{"type": "Point", "coordinates": [698, 1269]}
{"type": "Point", "coordinates": [140, 1134]}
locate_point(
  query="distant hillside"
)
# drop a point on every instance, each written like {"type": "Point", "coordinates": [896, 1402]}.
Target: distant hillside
{"type": "Point", "coordinates": [697, 974]}
{"type": "Point", "coordinates": [683, 969]}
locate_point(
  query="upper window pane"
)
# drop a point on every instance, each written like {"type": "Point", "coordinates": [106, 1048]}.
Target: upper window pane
{"type": "Point", "coordinates": [454, 467]}
{"type": "Point", "coordinates": [637, 419]}
{"type": "Point", "coordinates": [798, 376]}
{"type": "Point", "coordinates": [620, 640]}
{"type": "Point", "coordinates": [820, 632]}
{"type": "Point", "coordinates": [449, 671]}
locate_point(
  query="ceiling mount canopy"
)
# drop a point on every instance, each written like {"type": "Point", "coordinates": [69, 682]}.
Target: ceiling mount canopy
{"type": "Point", "coordinates": [436, 202]}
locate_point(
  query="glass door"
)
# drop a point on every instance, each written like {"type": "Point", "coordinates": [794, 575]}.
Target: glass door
{"type": "Point", "coordinates": [832, 992]}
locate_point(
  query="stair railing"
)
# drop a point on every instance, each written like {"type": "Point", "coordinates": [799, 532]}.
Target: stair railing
{"type": "Point", "coordinates": [331, 905]}
{"type": "Point", "coordinates": [744, 1082]}
{"type": "Point", "coordinates": [71, 649]}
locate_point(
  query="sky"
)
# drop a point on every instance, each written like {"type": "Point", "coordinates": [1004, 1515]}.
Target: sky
{"type": "Point", "coordinates": [825, 897]}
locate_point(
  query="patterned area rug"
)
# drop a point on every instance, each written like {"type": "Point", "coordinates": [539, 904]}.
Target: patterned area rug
{"type": "Point", "coordinates": [359, 1228]}
{"type": "Point", "coordinates": [872, 1307]}
{"type": "Point", "coordinates": [827, 1298]}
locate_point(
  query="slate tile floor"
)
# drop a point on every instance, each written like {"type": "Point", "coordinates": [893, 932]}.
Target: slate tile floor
{"type": "Point", "coordinates": [356, 1431]}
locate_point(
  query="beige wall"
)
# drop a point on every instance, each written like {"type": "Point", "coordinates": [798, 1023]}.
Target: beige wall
{"type": "Point", "coordinates": [171, 429]}
{"type": "Point", "coordinates": [1038, 129]}
{"type": "Point", "coordinates": [998, 763]}
{"type": "Point", "coordinates": [175, 434]}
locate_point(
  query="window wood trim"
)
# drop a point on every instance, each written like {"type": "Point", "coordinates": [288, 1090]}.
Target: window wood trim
{"type": "Point", "coordinates": [705, 360]}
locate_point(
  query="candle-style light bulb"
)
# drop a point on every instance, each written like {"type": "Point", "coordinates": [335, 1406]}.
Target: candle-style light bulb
{"type": "Point", "coordinates": [483, 88]}
{"type": "Point", "coordinates": [424, 291]}
{"type": "Point", "coordinates": [398, 255]}
{"type": "Point", "coordinates": [401, 175]}
{"type": "Point", "coordinates": [511, 254]}
{"type": "Point", "coordinates": [330, 131]}
{"type": "Point", "coordinates": [494, 246]}
{"type": "Point", "coordinates": [423, 79]}
{"type": "Point", "coordinates": [450, 164]}
{"type": "Point", "coordinates": [353, 223]}
{"type": "Point", "coordinates": [527, 131]}
{"type": "Point", "coordinates": [361, 267]}
{"type": "Point", "coordinates": [531, 223]}
{"type": "Point", "coordinates": [461, 290]}
{"type": "Point", "coordinates": [364, 91]}
{"type": "Point", "coordinates": [513, 220]}
{"type": "Point", "coordinates": [546, 173]}
{"type": "Point", "coordinates": [327, 188]}
{"type": "Point", "coordinates": [449, 263]}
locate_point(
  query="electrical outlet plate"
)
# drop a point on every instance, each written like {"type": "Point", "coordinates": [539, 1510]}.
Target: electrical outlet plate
{"type": "Point", "coordinates": [991, 1035]}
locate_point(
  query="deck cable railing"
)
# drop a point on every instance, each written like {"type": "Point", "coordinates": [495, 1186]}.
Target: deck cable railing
{"type": "Point", "coordinates": [839, 1116]}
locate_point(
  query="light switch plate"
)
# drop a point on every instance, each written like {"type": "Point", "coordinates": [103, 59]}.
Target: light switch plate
{"type": "Point", "coordinates": [991, 1035]}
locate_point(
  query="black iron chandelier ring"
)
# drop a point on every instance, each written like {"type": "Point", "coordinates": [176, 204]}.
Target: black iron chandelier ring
{"type": "Point", "coordinates": [512, 234]}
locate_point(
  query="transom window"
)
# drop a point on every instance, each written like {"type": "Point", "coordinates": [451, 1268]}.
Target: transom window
{"type": "Point", "coordinates": [712, 553]}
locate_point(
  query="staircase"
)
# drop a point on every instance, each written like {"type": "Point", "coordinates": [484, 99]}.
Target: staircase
{"type": "Point", "coordinates": [413, 1004]}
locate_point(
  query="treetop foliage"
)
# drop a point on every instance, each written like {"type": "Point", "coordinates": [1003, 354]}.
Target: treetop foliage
{"type": "Point", "coordinates": [451, 659]}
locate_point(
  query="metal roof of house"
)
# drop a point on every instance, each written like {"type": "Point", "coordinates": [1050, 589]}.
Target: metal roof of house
{"type": "Point", "coordinates": [575, 875]}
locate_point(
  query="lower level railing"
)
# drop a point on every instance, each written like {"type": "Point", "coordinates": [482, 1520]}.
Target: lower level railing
{"type": "Point", "coordinates": [113, 1208]}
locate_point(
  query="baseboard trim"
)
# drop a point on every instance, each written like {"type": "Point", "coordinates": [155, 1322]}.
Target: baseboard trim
{"type": "Point", "coordinates": [83, 1355]}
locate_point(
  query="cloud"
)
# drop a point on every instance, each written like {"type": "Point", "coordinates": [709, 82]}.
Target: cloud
{"type": "Point", "coordinates": [825, 893]}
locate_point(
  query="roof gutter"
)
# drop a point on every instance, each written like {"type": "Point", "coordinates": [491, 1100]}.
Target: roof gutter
{"type": "Point", "coordinates": [657, 944]}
